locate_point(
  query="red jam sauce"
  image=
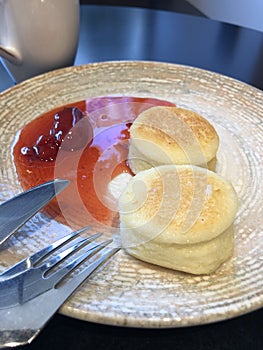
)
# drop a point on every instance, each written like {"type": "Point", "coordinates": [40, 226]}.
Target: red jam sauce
{"type": "Point", "coordinates": [87, 143]}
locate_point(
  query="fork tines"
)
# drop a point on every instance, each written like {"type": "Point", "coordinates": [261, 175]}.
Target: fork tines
{"type": "Point", "coordinates": [43, 270]}
{"type": "Point", "coordinates": [31, 289]}
{"type": "Point", "coordinates": [34, 259]}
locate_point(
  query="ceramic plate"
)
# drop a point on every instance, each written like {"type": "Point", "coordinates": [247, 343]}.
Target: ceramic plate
{"type": "Point", "coordinates": [129, 292]}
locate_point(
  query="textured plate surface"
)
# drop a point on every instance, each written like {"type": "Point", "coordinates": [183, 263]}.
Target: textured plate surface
{"type": "Point", "coordinates": [129, 292]}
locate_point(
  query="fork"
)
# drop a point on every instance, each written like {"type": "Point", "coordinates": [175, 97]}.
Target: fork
{"type": "Point", "coordinates": [29, 297]}
{"type": "Point", "coordinates": [34, 259]}
{"type": "Point", "coordinates": [27, 279]}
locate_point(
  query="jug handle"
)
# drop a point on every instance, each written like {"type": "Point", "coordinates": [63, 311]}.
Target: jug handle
{"type": "Point", "coordinates": [10, 54]}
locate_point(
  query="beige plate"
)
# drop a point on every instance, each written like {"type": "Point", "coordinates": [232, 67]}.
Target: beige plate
{"type": "Point", "coordinates": [128, 292]}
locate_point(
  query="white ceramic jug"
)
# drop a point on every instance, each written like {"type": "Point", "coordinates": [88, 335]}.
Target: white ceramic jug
{"type": "Point", "coordinates": [38, 35]}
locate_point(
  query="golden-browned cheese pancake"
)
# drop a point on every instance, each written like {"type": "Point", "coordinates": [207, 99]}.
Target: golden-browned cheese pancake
{"type": "Point", "coordinates": [180, 217]}
{"type": "Point", "coordinates": [171, 135]}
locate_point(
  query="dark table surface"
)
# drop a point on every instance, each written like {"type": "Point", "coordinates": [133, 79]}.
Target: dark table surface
{"type": "Point", "coordinates": [125, 33]}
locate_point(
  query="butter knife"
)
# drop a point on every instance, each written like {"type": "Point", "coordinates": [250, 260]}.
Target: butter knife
{"type": "Point", "coordinates": [19, 209]}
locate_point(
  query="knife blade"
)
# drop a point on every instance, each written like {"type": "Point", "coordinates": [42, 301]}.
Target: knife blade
{"type": "Point", "coordinates": [16, 211]}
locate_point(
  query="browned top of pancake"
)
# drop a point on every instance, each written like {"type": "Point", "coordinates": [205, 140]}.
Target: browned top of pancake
{"type": "Point", "coordinates": [184, 135]}
{"type": "Point", "coordinates": [178, 204]}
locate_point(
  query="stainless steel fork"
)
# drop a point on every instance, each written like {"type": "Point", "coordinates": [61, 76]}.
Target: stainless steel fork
{"type": "Point", "coordinates": [30, 297]}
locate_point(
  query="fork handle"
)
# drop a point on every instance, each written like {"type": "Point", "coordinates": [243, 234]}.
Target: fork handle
{"type": "Point", "coordinates": [17, 337]}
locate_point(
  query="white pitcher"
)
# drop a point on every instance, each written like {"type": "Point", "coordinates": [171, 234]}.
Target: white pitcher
{"type": "Point", "coordinates": [38, 35]}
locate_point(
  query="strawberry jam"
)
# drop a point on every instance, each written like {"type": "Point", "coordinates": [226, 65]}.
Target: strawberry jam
{"type": "Point", "coordinates": [87, 143]}
{"type": "Point", "coordinates": [65, 126]}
